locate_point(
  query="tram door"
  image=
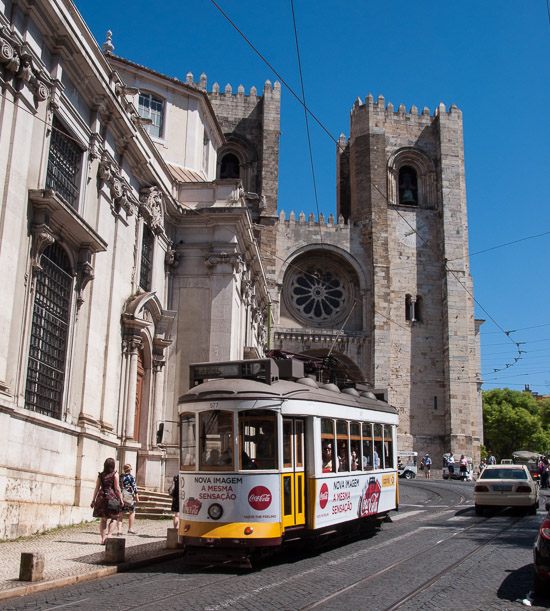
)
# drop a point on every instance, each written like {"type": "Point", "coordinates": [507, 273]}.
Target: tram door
{"type": "Point", "coordinates": [293, 477]}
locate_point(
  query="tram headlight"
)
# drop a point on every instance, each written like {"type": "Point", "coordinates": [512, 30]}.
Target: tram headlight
{"type": "Point", "coordinates": [215, 511]}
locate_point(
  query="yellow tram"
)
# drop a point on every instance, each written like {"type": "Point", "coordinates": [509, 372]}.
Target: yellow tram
{"type": "Point", "coordinates": [268, 454]}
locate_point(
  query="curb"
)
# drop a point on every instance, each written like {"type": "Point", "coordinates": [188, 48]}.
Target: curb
{"type": "Point", "coordinates": [98, 573]}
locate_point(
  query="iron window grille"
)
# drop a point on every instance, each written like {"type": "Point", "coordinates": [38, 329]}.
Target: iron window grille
{"type": "Point", "coordinates": [146, 269]}
{"type": "Point", "coordinates": [49, 334]}
{"type": "Point", "coordinates": [63, 164]}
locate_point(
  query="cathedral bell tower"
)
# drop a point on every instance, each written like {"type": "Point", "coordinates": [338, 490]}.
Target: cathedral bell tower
{"type": "Point", "coordinates": [401, 180]}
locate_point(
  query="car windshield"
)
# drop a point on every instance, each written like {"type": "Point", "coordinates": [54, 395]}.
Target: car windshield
{"type": "Point", "coordinates": [496, 473]}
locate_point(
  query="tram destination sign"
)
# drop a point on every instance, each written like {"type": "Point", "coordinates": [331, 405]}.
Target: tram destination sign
{"type": "Point", "coordinates": [262, 370]}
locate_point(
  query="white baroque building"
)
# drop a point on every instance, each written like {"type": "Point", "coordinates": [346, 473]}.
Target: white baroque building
{"type": "Point", "coordinates": [119, 265]}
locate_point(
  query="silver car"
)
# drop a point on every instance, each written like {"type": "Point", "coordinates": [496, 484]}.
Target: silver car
{"type": "Point", "coordinates": [506, 486]}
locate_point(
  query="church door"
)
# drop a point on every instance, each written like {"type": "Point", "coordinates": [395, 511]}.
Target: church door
{"type": "Point", "coordinates": [139, 392]}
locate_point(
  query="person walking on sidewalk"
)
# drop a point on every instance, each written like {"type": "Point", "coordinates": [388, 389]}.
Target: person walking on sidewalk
{"type": "Point", "coordinates": [174, 492]}
{"type": "Point", "coordinates": [129, 497]}
{"type": "Point", "coordinates": [106, 493]}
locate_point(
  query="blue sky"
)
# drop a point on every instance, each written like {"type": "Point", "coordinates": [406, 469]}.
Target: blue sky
{"type": "Point", "coordinates": [488, 57]}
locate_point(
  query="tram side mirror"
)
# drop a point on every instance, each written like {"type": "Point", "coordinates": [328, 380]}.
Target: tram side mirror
{"type": "Point", "coordinates": [160, 433]}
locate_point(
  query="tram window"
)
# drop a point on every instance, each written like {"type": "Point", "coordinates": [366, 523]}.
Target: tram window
{"type": "Point", "coordinates": [388, 447]}
{"type": "Point", "coordinates": [287, 495]}
{"type": "Point", "coordinates": [258, 440]}
{"type": "Point", "coordinates": [216, 441]}
{"type": "Point", "coordinates": [343, 445]}
{"type": "Point", "coordinates": [378, 447]}
{"type": "Point", "coordinates": [327, 445]}
{"type": "Point", "coordinates": [188, 441]}
{"type": "Point", "coordinates": [367, 447]}
{"type": "Point", "coordinates": [287, 443]}
{"type": "Point", "coordinates": [355, 446]}
{"type": "Point", "coordinates": [299, 425]}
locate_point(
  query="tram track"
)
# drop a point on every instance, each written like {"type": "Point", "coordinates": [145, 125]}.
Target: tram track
{"type": "Point", "coordinates": [415, 556]}
{"type": "Point", "coordinates": [233, 602]}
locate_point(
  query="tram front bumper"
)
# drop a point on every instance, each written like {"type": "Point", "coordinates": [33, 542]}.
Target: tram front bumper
{"type": "Point", "coordinates": [234, 534]}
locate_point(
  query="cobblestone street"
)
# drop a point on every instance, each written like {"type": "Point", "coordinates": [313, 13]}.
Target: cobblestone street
{"type": "Point", "coordinates": [436, 554]}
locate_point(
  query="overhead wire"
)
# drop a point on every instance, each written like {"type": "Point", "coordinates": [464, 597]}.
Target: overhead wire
{"type": "Point", "coordinates": [307, 110]}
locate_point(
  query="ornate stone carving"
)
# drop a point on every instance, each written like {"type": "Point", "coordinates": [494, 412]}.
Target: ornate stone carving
{"type": "Point", "coordinates": [234, 258]}
{"type": "Point", "coordinates": [17, 62]}
{"type": "Point", "coordinates": [151, 206]}
{"type": "Point", "coordinates": [131, 345]}
{"type": "Point", "coordinates": [171, 258]}
{"type": "Point", "coordinates": [8, 57]}
{"type": "Point", "coordinates": [84, 274]}
{"type": "Point", "coordinates": [121, 192]}
{"type": "Point", "coordinates": [42, 237]}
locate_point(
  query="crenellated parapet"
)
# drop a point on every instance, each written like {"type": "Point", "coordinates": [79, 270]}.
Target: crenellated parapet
{"type": "Point", "coordinates": [328, 223]}
{"type": "Point", "coordinates": [380, 109]}
{"type": "Point", "coordinates": [252, 98]}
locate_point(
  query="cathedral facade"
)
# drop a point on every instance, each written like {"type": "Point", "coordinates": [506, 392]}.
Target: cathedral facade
{"type": "Point", "coordinates": [140, 231]}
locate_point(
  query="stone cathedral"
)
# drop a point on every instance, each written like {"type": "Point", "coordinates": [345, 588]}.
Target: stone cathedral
{"type": "Point", "coordinates": [141, 231]}
{"type": "Point", "coordinates": [384, 284]}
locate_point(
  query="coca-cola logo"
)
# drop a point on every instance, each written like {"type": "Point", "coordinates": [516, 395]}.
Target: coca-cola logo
{"type": "Point", "coordinates": [259, 498]}
{"type": "Point", "coordinates": [323, 496]}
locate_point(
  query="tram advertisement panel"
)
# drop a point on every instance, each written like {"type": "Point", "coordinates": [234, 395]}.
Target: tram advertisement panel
{"type": "Point", "coordinates": [242, 497]}
{"type": "Point", "coordinates": [355, 496]}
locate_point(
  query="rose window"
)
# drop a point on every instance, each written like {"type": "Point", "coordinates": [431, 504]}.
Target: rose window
{"type": "Point", "coordinates": [319, 293]}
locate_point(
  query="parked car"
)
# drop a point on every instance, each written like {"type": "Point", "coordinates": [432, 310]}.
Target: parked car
{"type": "Point", "coordinates": [406, 465]}
{"type": "Point", "coordinates": [541, 556]}
{"type": "Point", "coordinates": [506, 486]}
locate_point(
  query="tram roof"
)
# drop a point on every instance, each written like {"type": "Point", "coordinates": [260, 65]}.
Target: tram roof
{"type": "Point", "coordinates": [301, 390]}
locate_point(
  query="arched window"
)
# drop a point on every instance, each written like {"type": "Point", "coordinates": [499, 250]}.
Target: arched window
{"type": "Point", "coordinates": [147, 249]}
{"type": "Point", "coordinates": [152, 107]}
{"type": "Point", "coordinates": [408, 186]}
{"type": "Point", "coordinates": [49, 333]}
{"type": "Point", "coordinates": [413, 308]}
{"type": "Point", "coordinates": [409, 309]}
{"type": "Point", "coordinates": [418, 314]}
{"type": "Point", "coordinates": [230, 166]}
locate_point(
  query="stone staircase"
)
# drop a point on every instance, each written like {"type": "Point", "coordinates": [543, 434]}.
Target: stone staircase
{"type": "Point", "coordinates": [153, 505]}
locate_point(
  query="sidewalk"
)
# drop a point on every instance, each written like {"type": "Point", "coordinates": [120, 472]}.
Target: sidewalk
{"type": "Point", "coordinates": [74, 553]}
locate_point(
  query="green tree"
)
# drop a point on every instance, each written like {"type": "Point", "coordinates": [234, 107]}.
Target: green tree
{"type": "Point", "coordinates": [512, 420]}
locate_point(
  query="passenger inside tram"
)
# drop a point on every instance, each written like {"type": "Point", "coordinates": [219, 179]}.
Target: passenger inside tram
{"type": "Point", "coordinates": [327, 456]}
{"type": "Point", "coordinates": [355, 457]}
{"type": "Point", "coordinates": [214, 457]}
{"type": "Point", "coordinates": [247, 462]}
{"type": "Point", "coordinates": [343, 456]}
{"type": "Point", "coordinates": [226, 457]}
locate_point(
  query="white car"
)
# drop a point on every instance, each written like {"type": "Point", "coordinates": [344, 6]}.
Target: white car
{"type": "Point", "coordinates": [506, 486]}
